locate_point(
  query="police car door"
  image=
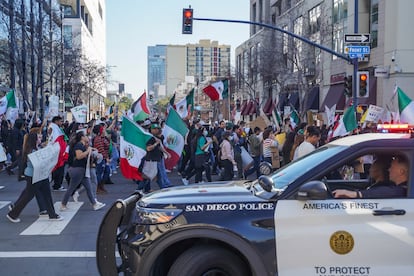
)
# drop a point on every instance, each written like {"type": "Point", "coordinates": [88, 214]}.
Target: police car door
{"type": "Point", "coordinates": [342, 237]}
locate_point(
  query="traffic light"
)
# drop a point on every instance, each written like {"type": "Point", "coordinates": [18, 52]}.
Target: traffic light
{"type": "Point", "coordinates": [363, 84]}
{"type": "Point", "coordinates": [348, 86]}
{"type": "Point", "coordinates": [187, 21]}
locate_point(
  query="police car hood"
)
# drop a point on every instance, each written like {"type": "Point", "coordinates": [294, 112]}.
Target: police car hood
{"type": "Point", "coordinates": [234, 191]}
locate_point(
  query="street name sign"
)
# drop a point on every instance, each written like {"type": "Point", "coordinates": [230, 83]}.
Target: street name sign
{"type": "Point", "coordinates": [357, 38]}
{"type": "Point", "coordinates": [357, 51]}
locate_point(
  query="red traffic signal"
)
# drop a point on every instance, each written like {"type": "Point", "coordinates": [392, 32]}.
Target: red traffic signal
{"type": "Point", "coordinates": [187, 21]}
{"type": "Point", "coordinates": [363, 84]}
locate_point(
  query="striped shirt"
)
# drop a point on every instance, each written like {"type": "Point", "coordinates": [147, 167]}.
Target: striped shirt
{"type": "Point", "coordinates": [268, 144]}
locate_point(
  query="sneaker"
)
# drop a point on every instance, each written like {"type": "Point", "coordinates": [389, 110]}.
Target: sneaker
{"type": "Point", "coordinates": [185, 181]}
{"type": "Point", "coordinates": [61, 189]}
{"type": "Point", "coordinates": [43, 213]}
{"type": "Point", "coordinates": [14, 220]}
{"type": "Point", "coordinates": [11, 206]}
{"type": "Point", "coordinates": [63, 208]}
{"type": "Point", "coordinates": [75, 196]}
{"type": "Point", "coordinates": [98, 205]}
{"type": "Point", "coordinates": [115, 172]}
{"type": "Point", "coordinates": [57, 218]}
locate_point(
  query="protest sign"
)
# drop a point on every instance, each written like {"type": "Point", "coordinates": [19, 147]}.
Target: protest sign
{"type": "Point", "coordinates": [43, 161]}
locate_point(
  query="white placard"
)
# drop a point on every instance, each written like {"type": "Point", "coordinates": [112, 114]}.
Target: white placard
{"type": "Point", "coordinates": [79, 113]}
{"type": "Point", "coordinates": [374, 113]}
{"type": "Point", "coordinates": [53, 106]}
{"type": "Point", "coordinates": [43, 161]}
{"type": "Point", "coordinates": [3, 156]}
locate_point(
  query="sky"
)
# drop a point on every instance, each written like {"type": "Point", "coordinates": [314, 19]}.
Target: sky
{"type": "Point", "coordinates": [133, 25]}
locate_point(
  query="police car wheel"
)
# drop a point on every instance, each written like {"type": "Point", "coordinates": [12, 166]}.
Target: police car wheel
{"type": "Point", "coordinates": [208, 260]}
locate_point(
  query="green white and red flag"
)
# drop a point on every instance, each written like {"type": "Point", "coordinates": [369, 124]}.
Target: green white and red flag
{"type": "Point", "coordinates": [185, 106]}
{"type": "Point", "coordinates": [217, 90]}
{"type": "Point", "coordinates": [405, 106]}
{"type": "Point", "coordinates": [140, 110]}
{"type": "Point", "coordinates": [174, 133]}
{"type": "Point", "coordinates": [133, 144]}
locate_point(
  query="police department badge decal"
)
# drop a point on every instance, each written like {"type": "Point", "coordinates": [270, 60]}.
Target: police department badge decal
{"type": "Point", "coordinates": [341, 242]}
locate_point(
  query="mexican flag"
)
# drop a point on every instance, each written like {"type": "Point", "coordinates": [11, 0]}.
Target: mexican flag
{"type": "Point", "coordinates": [276, 115]}
{"type": "Point", "coordinates": [217, 90]}
{"type": "Point", "coordinates": [110, 110]}
{"type": "Point", "coordinates": [174, 133]}
{"type": "Point", "coordinates": [406, 107]}
{"type": "Point", "coordinates": [346, 124]}
{"type": "Point", "coordinates": [294, 118]}
{"type": "Point", "coordinates": [9, 100]}
{"type": "Point", "coordinates": [170, 104]}
{"type": "Point", "coordinates": [185, 106]}
{"type": "Point", "coordinates": [132, 148]}
{"type": "Point", "coordinates": [140, 110]}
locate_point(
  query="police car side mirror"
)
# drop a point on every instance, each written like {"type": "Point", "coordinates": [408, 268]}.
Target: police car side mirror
{"type": "Point", "coordinates": [266, 183]}
{"type": "Point", "coordinates": [315, 190]}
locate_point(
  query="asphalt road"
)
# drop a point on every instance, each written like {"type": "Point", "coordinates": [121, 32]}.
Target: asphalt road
{"type": "Point", "coordinates": [36, 246]}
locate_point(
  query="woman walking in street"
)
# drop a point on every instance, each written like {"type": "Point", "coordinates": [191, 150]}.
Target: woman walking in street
{"type": "Point", "coordinates": [40, 188]}
{"type": "Point", "coordinates": [78, 157]}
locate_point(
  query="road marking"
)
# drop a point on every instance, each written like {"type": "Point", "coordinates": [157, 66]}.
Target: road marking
{"type": "Point", "coordinates": [44, 226]}
{"type": "Point", "coordinates": [50, 254]}
{"type": "Point", "coordinates": [4, 204]}
{"type": "Point", "coordinates": [1, 187]}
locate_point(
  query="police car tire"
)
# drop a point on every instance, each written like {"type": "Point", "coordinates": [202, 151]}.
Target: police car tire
{"type": "Point", "coordinates": [200, 260]}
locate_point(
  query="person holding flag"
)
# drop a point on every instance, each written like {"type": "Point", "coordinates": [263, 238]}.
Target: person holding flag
{"type": "Point", "coordinates": [57, 135]}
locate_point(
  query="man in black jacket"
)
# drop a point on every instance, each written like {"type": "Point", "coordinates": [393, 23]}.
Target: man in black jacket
{"type": "Point", "coordinates": [15, 146]}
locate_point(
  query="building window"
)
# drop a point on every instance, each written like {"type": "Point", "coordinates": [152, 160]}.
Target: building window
{"type": "Point", "coordinates": [67, 36]}
{"type": "Point", "coordinates": [340, 14]}
{"type": "Point", "coordinates": [374, 23]}
{"type": "Point", "coordinates": [285, 43]}
{"type": "Point", "coordinates": [315, 19]}
{"type": "Point", "coordinates": [297, 29]}
{"type": "Point", "coordinates": [340, 10]}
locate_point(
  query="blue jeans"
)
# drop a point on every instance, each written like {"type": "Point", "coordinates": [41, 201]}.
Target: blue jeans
{"type": "Point", "coordinates": [102, 171]}
{"type": "Point", "coordinates": [114, 158]}
{"type": "Point", "coordinates": [144, 185]}
{"type": "Point", "coordinates": [162, 178]}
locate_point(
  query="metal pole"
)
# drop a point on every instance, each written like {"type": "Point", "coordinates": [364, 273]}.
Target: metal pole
{"type": "Point", "coordinates": [283, 31]}
{"type": "Point", "coordinates": [355, 81]}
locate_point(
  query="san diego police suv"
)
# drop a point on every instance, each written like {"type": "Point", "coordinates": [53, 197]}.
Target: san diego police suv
{"type": "Point", "coordinates": [284, 224]}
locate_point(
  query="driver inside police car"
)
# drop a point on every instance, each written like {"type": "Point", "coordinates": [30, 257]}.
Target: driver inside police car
{"type": "Point", "coordinates": [396, 188]}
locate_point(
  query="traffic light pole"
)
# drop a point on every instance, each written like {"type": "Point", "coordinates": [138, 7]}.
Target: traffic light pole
{"type": "Point", "coordinates": [307, 41]}
{"type": "Point", "coordinates": [355, 61]}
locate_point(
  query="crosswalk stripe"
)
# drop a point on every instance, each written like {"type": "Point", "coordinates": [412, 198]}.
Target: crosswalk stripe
{"type": "Point", "coordinates": [4, 204]}
{"type": "Point", "coordinates": [50, 254]}
{"type": "Point", "coordinates": [44, 226]}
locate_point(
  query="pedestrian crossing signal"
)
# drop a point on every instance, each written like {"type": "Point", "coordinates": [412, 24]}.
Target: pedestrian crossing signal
{"type": "Point", "coordinates": [187, 21]}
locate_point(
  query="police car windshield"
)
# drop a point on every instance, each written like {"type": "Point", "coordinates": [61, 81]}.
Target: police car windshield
{"type": "Point", "coordinates": [287, 174]}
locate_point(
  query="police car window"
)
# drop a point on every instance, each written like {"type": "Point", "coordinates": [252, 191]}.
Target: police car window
{"type": "Point", "coordinates": [286, 175]}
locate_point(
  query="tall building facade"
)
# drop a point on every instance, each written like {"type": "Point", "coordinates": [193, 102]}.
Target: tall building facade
{"type": "Point", "coordinates": [306, 77]}
{"type": "Point", "coordinates": [156, 76]}
{"type": "Point", "coordinates": [171, 65]}
{"type": "Point", "coordinates": [207, 59]}
{"type": "Point", "coordinates": [84, 33]}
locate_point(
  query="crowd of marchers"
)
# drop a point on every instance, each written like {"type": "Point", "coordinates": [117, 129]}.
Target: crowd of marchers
{"type": "Point", "coordinates": [88, 156]}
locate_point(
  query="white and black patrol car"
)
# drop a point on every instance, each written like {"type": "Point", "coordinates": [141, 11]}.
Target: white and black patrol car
{"type": "Point", "coordinates": [287, 223]}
